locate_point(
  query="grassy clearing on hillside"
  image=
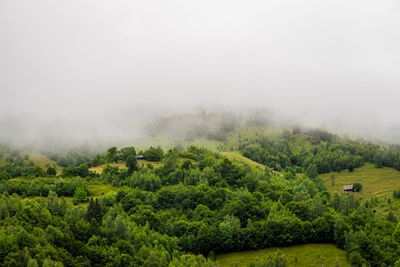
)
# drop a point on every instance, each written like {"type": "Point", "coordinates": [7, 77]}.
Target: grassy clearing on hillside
{"type": "Point", "coordinates": [157, 164]}
{"type": "Point", "coordinates": [37, 158]}
{"type": "Point", "coordinates": [40, 159]}
{"type": "Point", "coordinates": [97, 190]}
{"type": "Point", "coordinates": [122, 166]}
{"type": "Point", "coordinates": [43, 161]}
{"type": "Point", "coordinates": [99, 169]}
{"type": "Point", "coordinates": [302, 255]}
{"type": "Point", "coordinates": [376, 182]}
{"type": "Point", "coordinates": [235, 156]}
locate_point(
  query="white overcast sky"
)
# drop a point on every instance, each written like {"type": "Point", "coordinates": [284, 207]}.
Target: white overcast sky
{"type": "Point", "coordinates": [70, 59]}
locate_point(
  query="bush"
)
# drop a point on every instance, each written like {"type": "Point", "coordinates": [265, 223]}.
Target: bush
{"type": "Point", "coordinates": [357, 187]}
{"type": "Point", "coordinates": [80, 195]}
{"type": "Point", "coordinates": [51, 171]}
{"type": "Point", "coordinates": [396, 193]}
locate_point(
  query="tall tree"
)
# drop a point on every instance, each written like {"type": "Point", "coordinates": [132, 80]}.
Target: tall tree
{"type": "Point", "coordinates": [312, 171]}
{"type": "Point", "coordinates": [131, 163]}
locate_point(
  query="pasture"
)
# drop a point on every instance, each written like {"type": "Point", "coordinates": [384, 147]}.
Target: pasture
{"type": "Point", "coordinates": [235, 156]}
{"type": "Point", "coordinates": [99, 169]}
{"type": "Point", "coordinates": [43, 161]}
{"type": "Point", "coordinates": [376, 182]}
{"type": "Point", "coordinates": [302, 255]}
{"type": "Point", "coordinates": [122, 166]}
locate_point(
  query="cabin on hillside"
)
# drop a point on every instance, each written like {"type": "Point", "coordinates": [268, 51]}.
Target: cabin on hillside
{"type": "Point", "coordinates": [348, 188]}
{"type": "Point", "coordinates": [140, 156]}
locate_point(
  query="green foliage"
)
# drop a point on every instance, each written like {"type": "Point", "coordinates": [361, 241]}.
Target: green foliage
{"type": "Point", "coordinates": [357, 187]}
{"type": "Point", "coordinates": [82, 171]}
{"type": "Point", "coordinates": [396, 233]}
{"type": "Point", "coordinates": [312, 171]}
{"type": "Point", "coordinates": [70, 159]}
{"type": "Point", "coordinates": [170, 161]}
{"type": "Point", "coordinates": [113, 155]}
{"type": "Point", "coordinates": [154, 154]}
{"type": "Point", "coordinates": [391, 217]}
{"type": "Point", "coordinates": [51, 171]}
{"type": "Point", "coordinates": [396, 193]}
{"type": "Point", "coordinates": [80, 195]}
{"type": "Point", "coordinates": [32, 263]}
{"type": "Point", "coordinates": [131, 163]}
{"type": "Point", "coordinates": [126, 152]}
{"type": "Point", "coordinates": [205, 204]}
{"type": "Point", "coordinates": [147, 181]}
{"type": "Point", "coordinates": [94, 211]}
{"type": "Point", "coordinates": [42, 186]}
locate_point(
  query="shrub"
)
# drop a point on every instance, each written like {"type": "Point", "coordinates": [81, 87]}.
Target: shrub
{"type": "Point", "coordinates": [357, 187]}
{"type": "Point", "coordinates": [396, 193]}
{"type": "Point", "coordinates": [80, 195]}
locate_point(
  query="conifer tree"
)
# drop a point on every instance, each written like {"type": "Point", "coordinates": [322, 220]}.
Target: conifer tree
{"type": "Point", "coordinates": [97, 211]}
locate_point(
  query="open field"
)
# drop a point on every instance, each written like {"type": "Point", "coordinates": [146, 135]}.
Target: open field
{"type": "Point", "coordinates": [37, 158]}
{"type": "Point", "coordinates": [376, 182]}
{"type": "Point", "coordinates": [235, 156]}
{"type": "Point", "coordinates": [97, 190]}
{"type": "Point", "coordinates": [43, 161]}
{"type": "Point", "coordinates": [122, 166]}
{"type": "Point", "coordinates": [40, 159]}
{"type": "Point", "coordinates": [99, 169]}
{"type": "Point", "coordinates": [302, 255]}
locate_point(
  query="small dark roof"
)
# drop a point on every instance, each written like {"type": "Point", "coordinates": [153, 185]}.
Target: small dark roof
{"type": "Point", "coordinates": [348, 187]}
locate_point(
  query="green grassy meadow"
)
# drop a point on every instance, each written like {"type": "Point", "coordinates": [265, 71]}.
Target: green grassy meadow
{"type": "Point", "coordinates": [376, 182]}
{"type": "Point", "coordinates": [99, 169]}
{"type": "Point", "coordinates": [97, 190]}
{"type": "Point", "coordinates": [43, 161]}
{"type": "Point", "coordinates": [235, 156]}
{"type": "Point", "coordinates": [122, 166]}
{"type": "Point", "coordinates": [302, 255]}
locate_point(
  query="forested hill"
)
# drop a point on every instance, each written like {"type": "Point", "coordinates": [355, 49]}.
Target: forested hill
{"type": "Point", "coordinates": [182, 207]}
{"type": "Point", "coordinates": [302, 148]}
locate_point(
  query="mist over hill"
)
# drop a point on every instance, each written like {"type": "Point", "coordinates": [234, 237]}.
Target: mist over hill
{"type": "Point", "coordinates": [128, 127]}
{"type": "Point", "coordinates": [96, 72]}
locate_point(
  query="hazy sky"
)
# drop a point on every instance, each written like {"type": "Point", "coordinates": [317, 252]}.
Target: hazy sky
{"type": "Point", "coordinates": [83, 59]}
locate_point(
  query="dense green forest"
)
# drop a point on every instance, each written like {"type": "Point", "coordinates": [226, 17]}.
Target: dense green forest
{"type": "Point", "coordinates": [194, 205]}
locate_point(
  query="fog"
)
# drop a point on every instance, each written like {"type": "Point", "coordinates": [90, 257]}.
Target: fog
{"type": "Point", "coordinates": [100, 71]}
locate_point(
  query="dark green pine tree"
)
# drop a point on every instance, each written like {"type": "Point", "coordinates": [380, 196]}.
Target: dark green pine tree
{"type": "Point", "coordinates": [97, 211]}
{"type": "Point", "coordinates": [94, 211]}
{"type": "Point", "coordinates": [91, 210]}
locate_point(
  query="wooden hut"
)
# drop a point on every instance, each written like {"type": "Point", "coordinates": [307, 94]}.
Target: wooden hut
{"type": "Point", "coordinates": [348, 188]}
